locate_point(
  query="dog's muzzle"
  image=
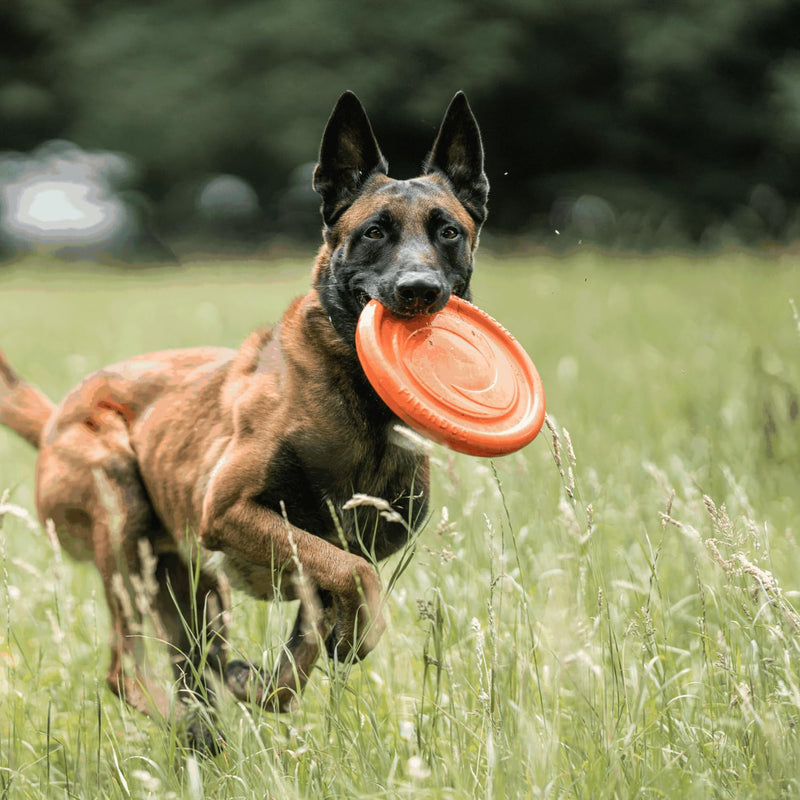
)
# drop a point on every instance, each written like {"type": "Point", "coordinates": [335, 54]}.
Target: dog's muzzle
{"type": "Point", "coordinates": [419, 293]}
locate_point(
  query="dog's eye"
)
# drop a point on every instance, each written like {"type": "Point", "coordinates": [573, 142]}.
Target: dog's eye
{"type": "Point", "coordinates": [373, 232]}
{"type": "Point", "coordinates": [449, 232]}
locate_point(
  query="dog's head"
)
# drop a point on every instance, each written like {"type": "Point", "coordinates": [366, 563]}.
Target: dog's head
{"type": "Point", "coordinates": [407, 243]}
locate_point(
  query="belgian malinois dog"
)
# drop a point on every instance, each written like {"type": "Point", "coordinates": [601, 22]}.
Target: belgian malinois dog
{"type": "Point", "coordinates": [183, 472]}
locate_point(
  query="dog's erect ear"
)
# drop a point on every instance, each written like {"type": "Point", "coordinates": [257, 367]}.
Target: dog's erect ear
{"type": "Point", "coordinates": [458, 154]}
{"type": "Point", "coordinates": [348, 156]}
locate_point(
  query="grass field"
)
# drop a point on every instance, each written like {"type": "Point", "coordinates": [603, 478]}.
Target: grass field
{"type": "Point", "coordinates": [608, 614]}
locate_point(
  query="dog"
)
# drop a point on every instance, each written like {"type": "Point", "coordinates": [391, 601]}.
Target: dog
{"type": "Point", "coordinates": [182, 473]}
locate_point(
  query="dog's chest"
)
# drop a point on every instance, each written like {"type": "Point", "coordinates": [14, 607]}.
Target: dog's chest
{"type": "Point", "coordinates": [314, 482]}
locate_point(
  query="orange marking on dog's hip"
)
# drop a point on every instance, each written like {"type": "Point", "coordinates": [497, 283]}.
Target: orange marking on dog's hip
{"type": "Point", "coordinates": [123, 409]}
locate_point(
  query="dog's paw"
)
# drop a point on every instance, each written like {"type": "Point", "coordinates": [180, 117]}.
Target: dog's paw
{"type": "Point", "coordinates": [249, 684]}
{"type": "Point", "coordinates": [359, 616]}
{"type": "Point", "coordinates": [200, 732]}
{"type": "Point", "coordinates": [340, 648]}
{"type": "Point", "coordinates": [332, 644]}
{"type": "Point", "coordinates": [245, 681]}
{"type": "Point", "coordinates": [355, 636]}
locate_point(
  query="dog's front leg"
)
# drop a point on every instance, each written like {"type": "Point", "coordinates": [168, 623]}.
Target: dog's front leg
{"type": "Point", "coordinates": [263, 537]}
{"type": "Point", "coordinates": [234, 523]}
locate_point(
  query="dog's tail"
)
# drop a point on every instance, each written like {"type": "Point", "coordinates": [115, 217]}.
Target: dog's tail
{"type": "Point", "coordinates": [22, 407]}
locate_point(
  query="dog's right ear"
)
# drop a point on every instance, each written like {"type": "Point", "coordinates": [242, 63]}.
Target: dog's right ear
{"type": "Point", "coordinates": [348, 156]}
{"type": "Point", "coordinates": [458, 154]}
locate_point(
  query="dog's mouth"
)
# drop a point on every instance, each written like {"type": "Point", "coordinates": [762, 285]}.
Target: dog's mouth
{"type": "Point", "coordinates": [361, 298]}
{"type": "Point", "coordinates": [403, 311]}
{"type": "Point", "coordinates": [410, 313]}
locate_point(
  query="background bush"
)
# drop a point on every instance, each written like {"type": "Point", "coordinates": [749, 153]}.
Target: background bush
{"type": "Point", "coordinates": [616, 121]}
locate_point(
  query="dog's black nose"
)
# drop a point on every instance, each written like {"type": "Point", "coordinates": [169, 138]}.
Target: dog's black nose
{"type": "Point", "coordinates": [418, 292]}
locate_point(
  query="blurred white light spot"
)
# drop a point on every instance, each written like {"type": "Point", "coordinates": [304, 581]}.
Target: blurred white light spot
{"type": "Point", "coordinates": [417, 768]}
{"type": "Point", "coordinates": [60, 196]}
{"type": "Point", "coordinates": [407, 730]}
{"type": "Point", "coordinates": [59, 206]}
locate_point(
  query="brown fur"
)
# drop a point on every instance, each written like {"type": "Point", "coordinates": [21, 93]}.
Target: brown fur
{"type": "Point", "coordinates": [151, 466]}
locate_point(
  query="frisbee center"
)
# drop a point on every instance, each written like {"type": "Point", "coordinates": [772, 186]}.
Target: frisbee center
{"type": "Point", "coordinates": [461, 369]}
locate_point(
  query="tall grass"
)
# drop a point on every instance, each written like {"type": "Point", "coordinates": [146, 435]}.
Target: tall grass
{"type": "Point", "coordinates": [610, 613]}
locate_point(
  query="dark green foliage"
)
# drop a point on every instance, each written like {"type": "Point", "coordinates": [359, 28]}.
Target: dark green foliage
{"type": "Point", "coordinates": [614, 121]}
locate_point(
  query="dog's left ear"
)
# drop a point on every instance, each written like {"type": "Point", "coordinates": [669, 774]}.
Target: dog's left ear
{"type": "Point", "coordinates": [348, 156]}
{"type": "Point", "coordinates": [458, 154]}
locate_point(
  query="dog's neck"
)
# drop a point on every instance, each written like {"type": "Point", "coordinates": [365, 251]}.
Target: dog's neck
{"type": "Point", "coordinates": [342, 320]}
{"type": "Point", "coordinates": [333, 355]}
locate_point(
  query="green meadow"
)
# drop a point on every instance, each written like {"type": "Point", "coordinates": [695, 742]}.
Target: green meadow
{"type": "Point", "coordinates": [610, 613]}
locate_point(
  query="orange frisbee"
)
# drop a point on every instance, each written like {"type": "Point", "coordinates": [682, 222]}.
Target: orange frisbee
{"type": "Point", "coordinates": [457, 377]}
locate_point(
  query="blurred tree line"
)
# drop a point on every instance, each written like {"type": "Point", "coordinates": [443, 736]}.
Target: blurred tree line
{"type": "Point", "coordinates": [625, 122]}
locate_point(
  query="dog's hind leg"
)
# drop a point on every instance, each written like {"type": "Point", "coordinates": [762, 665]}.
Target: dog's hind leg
{"type": "Point", "coordinates": [88, 484]}
{"type": "Point", "coordinates": [122, 523]}
{"type": "Point", "coordinates": [125, 586]}
{"type": "Point", "coordinates": [193, 609]}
